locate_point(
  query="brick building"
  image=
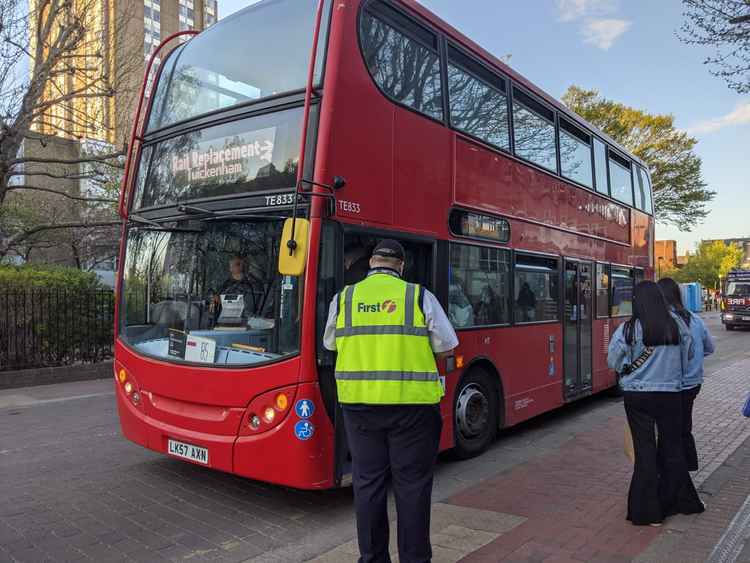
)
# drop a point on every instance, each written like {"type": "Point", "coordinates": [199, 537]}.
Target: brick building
{"type": "Point", "coordinates": [665, 255]}
{"type": "Point", "coordinates": [124, 33]}
{"type": "Point", "coordinates": [121, 35]}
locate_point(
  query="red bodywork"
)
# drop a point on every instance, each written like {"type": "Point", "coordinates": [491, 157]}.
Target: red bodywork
{"type": "Point", "coordinates": [736, 308]}
{"type": "Point", "coordinates": [405, 172]}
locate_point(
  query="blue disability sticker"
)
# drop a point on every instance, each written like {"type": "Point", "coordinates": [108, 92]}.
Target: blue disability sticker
{"type": "Point", "coordinates": [304, 430]}
{"type": "Point", "coordinates": [304, 408]}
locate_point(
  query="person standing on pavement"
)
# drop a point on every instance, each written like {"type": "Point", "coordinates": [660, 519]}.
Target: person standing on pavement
{"type": "Point", "coordinates": [703, 345]}
{"type": "Point", "coordinates": [649, 351]}
{"type": "Point", "coordinates": [387, 333]}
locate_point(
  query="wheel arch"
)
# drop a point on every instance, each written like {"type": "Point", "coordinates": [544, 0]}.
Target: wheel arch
{"type": "Point", "coordinates": [486, 364]}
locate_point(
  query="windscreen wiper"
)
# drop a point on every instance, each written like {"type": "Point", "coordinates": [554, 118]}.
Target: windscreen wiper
{"type": "Point", "coordinates": [193, 210]}
{"type": "Point", "coordinates": [160, 226]}
{"type": "Point", "coordinates": [231, 214]}
{"type": "Point", "coordinates": [144, 221]}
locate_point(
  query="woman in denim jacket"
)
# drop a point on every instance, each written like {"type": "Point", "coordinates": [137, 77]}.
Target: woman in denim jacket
{"type": "Point", "coordinates": [649, 351]}
{"type": "Point", "coordinates": [702, 346]}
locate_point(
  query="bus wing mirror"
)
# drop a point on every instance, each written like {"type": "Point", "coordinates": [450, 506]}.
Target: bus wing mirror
{"type": "Point", "coordinates": [293, 251]}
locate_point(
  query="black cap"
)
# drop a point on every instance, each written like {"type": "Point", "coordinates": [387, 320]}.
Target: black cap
{"type": "Point", "coordinates": [389, 248]}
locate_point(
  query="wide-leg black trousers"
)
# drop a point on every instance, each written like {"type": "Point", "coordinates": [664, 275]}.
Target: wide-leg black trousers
{"type": "Point", "coordinates": [661, 485]}
{"type": "Point", "coordinates": [394, 445]}
{"type": "Point", "coordinates": [691, 452]}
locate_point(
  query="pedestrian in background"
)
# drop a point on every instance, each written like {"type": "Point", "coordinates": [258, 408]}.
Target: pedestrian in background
{"type": "Point", "coordinates": [649, 351]}
{"type": "Point", "coordinates": [386, 333]}
{"type": "Point", "coordinates": [702, 346]}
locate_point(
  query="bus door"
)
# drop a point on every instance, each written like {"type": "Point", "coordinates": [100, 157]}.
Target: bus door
{"type": "Point", "coordinates": [353, 267]}
{"type": "Point", "coordinates": [577, 335]}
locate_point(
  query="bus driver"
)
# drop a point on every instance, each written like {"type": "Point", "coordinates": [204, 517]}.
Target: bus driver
{"type": "Point", "coordinates": [237, 284]}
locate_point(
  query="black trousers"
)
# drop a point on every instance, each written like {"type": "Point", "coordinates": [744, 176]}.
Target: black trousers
{"type": "Point", "coordinates": [661, 485]}
{"type": "Point", "coordinates": [691, 452]}
{"type": "Point", "coordinates": [394, 445]}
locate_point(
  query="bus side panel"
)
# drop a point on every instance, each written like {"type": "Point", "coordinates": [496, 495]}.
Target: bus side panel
{"type": "Point", "coordinates": [532, 373]}
{"type": "Point", "coordinates": [604, 378]}
{"type": "Point", "coordinates": [497, 183]}
{"type": "Point", "coordinates": [531, 376]}
{"type": "Point", "coordinates": [421, 185]}
{"type": "Point", "coordinates": [360, 147]}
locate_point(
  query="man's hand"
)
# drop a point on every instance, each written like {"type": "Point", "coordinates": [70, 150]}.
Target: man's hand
{"type": "Point", "coordinates": [443, 355]}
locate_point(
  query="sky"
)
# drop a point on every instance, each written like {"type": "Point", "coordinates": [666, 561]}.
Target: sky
{"type": "Point", "coordinates": [629, 52]}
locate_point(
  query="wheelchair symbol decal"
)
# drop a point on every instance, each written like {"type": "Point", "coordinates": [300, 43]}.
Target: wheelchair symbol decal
{"type": "Point", "coordinates": [304, 430]}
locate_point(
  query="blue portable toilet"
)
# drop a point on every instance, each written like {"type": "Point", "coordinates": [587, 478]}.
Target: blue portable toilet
{"type": "Point", "coordinates": [692, 296]}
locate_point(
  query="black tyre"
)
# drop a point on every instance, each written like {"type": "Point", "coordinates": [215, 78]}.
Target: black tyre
{"type": "Point", "coordinates": [729, 327]}
{"type": "Point", "coordinates": [475, 414]}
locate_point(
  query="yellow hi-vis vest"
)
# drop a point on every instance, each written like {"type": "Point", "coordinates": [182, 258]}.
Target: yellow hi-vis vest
{"type": "Point", "coordinates": [384, 354]}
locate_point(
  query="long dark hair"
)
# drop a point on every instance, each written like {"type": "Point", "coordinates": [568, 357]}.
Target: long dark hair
{"type": "Point", "coordinates": [651, 310]}
{"type": "Point", "coordinates": [673, 297]}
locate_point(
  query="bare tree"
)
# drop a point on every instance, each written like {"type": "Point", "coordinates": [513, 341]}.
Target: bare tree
{"type": "Point", "coordinates": [61, 64]}
{"type": "Point", "coordinates": [724, 25]}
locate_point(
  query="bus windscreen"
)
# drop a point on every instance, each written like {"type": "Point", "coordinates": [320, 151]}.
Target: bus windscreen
{"type": "Point", "coordinates": [209, 292]}
{"type": "Point", "coordinates": [738, 289]}
{"type": "Point", "coordinates": [261, 51]}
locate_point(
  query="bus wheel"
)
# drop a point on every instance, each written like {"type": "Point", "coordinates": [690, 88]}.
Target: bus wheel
{"type": "Point", "coordinates": [475, 414]}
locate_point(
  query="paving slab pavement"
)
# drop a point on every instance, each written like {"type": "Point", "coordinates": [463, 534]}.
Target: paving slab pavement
{"type": "Point", "coordinates": [568, 502]}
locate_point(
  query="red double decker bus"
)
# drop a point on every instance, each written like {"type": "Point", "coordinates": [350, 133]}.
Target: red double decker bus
{"type": "Point", "coordinates": [275, 149]}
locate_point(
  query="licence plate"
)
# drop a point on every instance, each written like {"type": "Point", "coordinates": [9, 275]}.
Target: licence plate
{"type": "Point", "coordinates": [187, 451]}
{"type": "Point", "coordinates": [746, 318]}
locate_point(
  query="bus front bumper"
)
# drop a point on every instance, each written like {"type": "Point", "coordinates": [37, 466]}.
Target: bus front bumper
{"type": "Point", "coordinates": [281, 455]}
{"type": "Point", "coordinates": [736, 319]}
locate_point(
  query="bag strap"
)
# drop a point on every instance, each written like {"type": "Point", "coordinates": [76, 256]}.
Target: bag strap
{"type": "Point", "coordinates": [643, 358]}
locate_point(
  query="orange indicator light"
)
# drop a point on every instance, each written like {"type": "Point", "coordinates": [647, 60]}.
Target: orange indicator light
{"type": "Point", "coordinates": [282, 402]}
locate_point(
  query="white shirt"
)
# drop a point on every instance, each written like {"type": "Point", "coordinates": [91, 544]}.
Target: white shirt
{"type": "Point", "coordinates": [442, 336]}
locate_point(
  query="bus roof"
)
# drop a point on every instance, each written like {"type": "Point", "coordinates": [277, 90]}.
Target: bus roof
{"type": "Point", "coordinates": [492, 60]}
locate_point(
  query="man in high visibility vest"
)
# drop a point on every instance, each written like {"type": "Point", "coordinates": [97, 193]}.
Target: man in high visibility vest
{"type": "Point", "coordinates": [387, 333]}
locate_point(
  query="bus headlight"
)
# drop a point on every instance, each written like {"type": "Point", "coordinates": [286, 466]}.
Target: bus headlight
{"type": "Point", "coordinates": [269, 415]}
{"type": "Point", "coordinates": [282, 401]}
{"type": "Point", "coordinates": [268, 410]}
{"type": "Point", "coordinates": [129, 385]}
{"type": "Point", "coordinates": [254, 421]}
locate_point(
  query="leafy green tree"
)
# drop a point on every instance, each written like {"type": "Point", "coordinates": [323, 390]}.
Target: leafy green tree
{"type": "Point", "coordinates": [713, 260]}
{"type": "Point", "coordinates": [680, 193]}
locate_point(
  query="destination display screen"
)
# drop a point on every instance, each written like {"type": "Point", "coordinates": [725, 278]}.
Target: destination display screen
{"type": "Point", "coordinates": [475, 225]}
{"type": "Point", "coordinates": [250, 155]}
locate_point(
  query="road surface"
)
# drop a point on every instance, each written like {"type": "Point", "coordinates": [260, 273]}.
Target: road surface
{"type": "Point", "coordinates": [73, 489]}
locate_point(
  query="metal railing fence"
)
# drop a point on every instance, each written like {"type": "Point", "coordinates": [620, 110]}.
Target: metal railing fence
{"type": "Point", "coordinates": [44, 327]}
